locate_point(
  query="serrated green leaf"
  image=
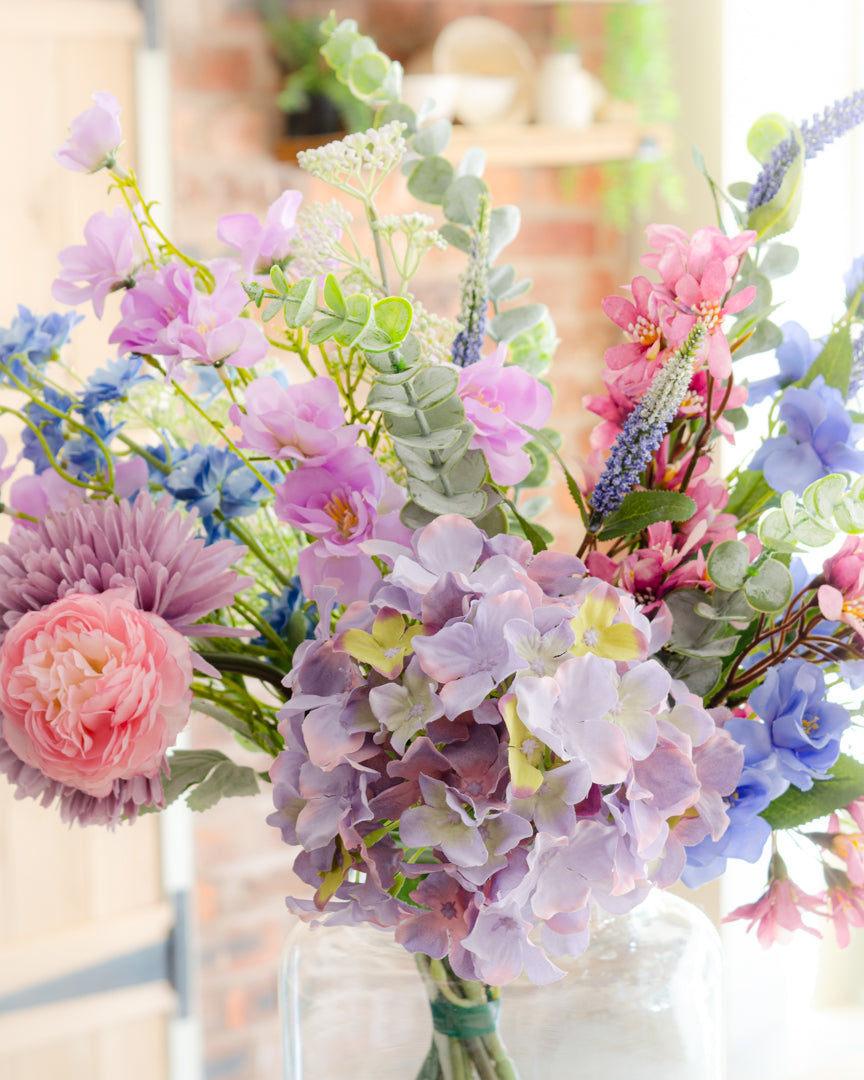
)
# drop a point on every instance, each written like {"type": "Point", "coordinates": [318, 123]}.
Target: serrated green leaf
{"type": "Point", "coordinates": [227, 780]}
{"type": "Point", "coordinates": [834, 361]}
{"type": "Point", "coordinates": [333, 296]}
{"type": "Point", "coordinates": [430, 179]}
{"type": "Point", "coordinates": [456, 237]}
{"type": "Point", "coordinates": [462, 199]}
{"type": "Point", "coordinates": [728, 564]}
{"type": "Point", "coordinates": [433, 139]}
{"type": "Point", "coordinates": [770, 589]}
{"type": "Point", "coordinates": [508, 324]}
{"type": "Point", "coordinates": [643, 508]}
{"type": "Point", "coordinates": [795, 808]}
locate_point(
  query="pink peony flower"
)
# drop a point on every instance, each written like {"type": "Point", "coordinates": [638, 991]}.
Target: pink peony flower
{"type": "Point", "coordinates": [90, 271]}
{"type": "Point", "coordinates": [497, 401]}
{"type": "Point", "coordinates": [777, 913]}
{"type": "Point", "coordinates": [95, 136]}
{"type": "Point", "coordinates": [303, 422]}
{"type": "Point", "coordinates": [165, 315]}
{"type": "Point", "coordinates": [260, 246]}
{"type": "Point", "coordinates": [92, 690]}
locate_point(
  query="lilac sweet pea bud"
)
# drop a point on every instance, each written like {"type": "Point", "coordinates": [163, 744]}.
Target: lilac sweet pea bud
{"type": "Point", "coordinates": [95, 136]}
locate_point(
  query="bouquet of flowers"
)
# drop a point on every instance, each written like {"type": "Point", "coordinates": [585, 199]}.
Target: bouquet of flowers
{"type": "Point", "coordinates": [475, 735]}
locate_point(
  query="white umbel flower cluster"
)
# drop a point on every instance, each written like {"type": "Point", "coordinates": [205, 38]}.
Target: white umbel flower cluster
{"type": "Point", "coordinates": [362, 158]}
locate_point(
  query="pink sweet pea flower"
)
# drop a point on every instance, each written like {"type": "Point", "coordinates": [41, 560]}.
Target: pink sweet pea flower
{"type": "Point", "coordinates": [303, 422]}
{"type": "Point", "coordinates": [777, 913]}
{"type": "Point", "coordinates": [90, 271]}
{"type": "Point", "coordinates": [165, 315]}
{"type": "Point", "coordinates": [260, 246]}
{"type": "Point", "coordinates": [93, 690]}
{"type": "Point", "coordinates": [95, 136]}
{"type": "Point", "coordinates": [497, 401]}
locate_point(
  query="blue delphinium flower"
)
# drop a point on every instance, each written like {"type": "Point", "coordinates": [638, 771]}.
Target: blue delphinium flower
{"type": "Point", "coordinates": [114, 381]}
{"type": "Point", "coordinates": [33, 338]}
{"type": "Point", "coordinates": [820, 439]}
{"type": "Point", "coordinates": [51, 427]}
{"type": "Point", "coordinates": [794, 358]}
{"type": "Point", "coordinates": [81, 454]}
{"type": "Point", "coordinates": [279, 610]}
{"type": "Point", "coordinates": [644, 429]}
{"type": "Point", "coordinates": [210, 479]}
{"type": "Point", "coordinates": [805, 729]}
{"type": "Point", "coordinates": [817, 132]}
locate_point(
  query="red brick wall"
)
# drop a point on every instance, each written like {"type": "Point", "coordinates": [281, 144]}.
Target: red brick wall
{"type": "Point", "coordinates": [225, 127]}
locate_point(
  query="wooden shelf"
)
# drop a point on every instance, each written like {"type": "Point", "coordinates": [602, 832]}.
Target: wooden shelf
{"type": "Point", "coordinates": [528, 145]}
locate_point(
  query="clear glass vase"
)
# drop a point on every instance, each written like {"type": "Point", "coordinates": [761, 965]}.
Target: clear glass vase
{"type": "Point", "coordinates": [643, 1000]}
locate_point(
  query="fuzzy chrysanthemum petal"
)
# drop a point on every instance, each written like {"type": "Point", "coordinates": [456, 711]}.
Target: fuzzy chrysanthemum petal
{"type": "Point", "coordinates": [101, 544]}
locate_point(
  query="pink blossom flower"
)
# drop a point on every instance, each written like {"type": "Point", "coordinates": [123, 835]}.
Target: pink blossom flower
{"type": "Point", "coordinates": [845, 903]}
{"type": "Point", "coordinates": [166, 315]}
{"type": "Point", "coordinates": [95, 136]}
{"type": "Point", "coordinates": [777, 913]}
{"type": "Point", "coordinates": [90, 271]}
{"type": "Point", "coordinates": [304, 422]}
{"type": "Point", "coordinates": [640, 321]}
{"type": "Point", "coordinates": [497, 401]}
{"type": "Point", "coordinates": [93, 690]}
{"type": "Point", "coordinates": [260, 246]}
{"type": "Point", "coordinates": [697, 274]}
{"type": "Point", "coordinates": [842, 597]}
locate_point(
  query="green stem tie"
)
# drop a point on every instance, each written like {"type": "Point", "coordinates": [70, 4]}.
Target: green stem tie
{"type": "Point", "coordinates": [465, 1021]}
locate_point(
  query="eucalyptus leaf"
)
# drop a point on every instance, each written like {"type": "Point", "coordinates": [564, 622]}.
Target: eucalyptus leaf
{"type": "Point", "coordinates": [462, 199]}
{"type": "Point", "coordinates": [766, 337]}
{"type": "Point", "coordinates": [299, 304]}
{"type": "Point", "coordinates": [507, 325]}
{"type": "Point", "coordinates": [643, 508]}
{"type": "Point", "coordinates": [501, 278]}
{"type": "Point", "coordinates": [435, 440]}
{"type": "Point", "coordinates": [358, 312]}
{"type": "Point", "coordinates": [728, 564]}
{"type": "Point", "coordinates": [397, 110]}
{"type": "Point", "coordinates": [724, 646]}
{"type": "Point", "coordinates": [795, 808]}
{"type": "Point", "coordinates": [393, 316]}
{"type": "Point", "coordinates": [271, 310]}
{"type": "Point", "coordinates": [779, 260]}
{"type": "Point", "coordinates": [469, 473]}
{"type": "Point", "coordinates": [413, 516]}
{"type": "Point", "coordinates": [473, 162]}
{"type": "Point", "coordinates": [515, 291]}
{"type": "Point", "coordinates": [367, 74]}
{"type": "Point", "coordinates": [771, 587]}
{"type": "Point", "coordinates": [504, 223]}
{"type": "Point", "coordinates": [433, 385]}
{"type": "Point", "coordinates": [766, 132]}
{"type": "Point", "coordinates": [740, 189]}
{"type": "Point", "coordinates": [457, 237]}
{"type": "Point", "coordinates": [433, 139]}
{"type": "Point", "coordinates": [430, 179]}
{"type": "Point", "coordinates": [416, 463]}
{"type": "Point", "coordinates": [333, 296]}
{"type": "Point", "coordinates": [469, 504]}
{"type": "Point", "coordinates": [323, 329]}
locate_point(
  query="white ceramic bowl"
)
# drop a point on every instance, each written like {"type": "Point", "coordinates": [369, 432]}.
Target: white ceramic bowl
{"type": "Point", "coordinates": [442, 89]}
{"type": "Point", "coordinates": [486, 99]}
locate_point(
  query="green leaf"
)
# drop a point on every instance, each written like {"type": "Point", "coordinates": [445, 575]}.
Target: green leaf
{"type": "Point", "coordinates": [531, 534]}
{"type": "Point", "coordinates": [397, 110]}
{"type": "Point", "coordinates": [740, 189]}
{"type": "Point", "coordinates": [822, 496]}
{"type": "Point", "coordinates": [469, 504]}
{"type": "Point", "coordinates": [469, 473]}
{"type": "Point", "coordinates": [433, 139]}
{"type": "Point", "coordinates": [224, 717]}
{"type": "Point", "coordinates": [539, 466]}
{"type": "Point", "coordinates": [457, 237]}
{"type": "Point", "coordinates": [779, 260]}
{"type": "Point", "coordinates": [504, 223]}
{"type": "Point", "coordinates": [430, 179]}
{"type": "Point", "coordinates": [462, 199]}
{"type": "Point", "coordinates": [188, 767]}
{"type": "Point", "coordinates": [507, 325]}
{"type": "Point", "coordinates": [323, 329]}
{"type": "Point", "coordinates": [544, 440]}
{"type": "Point", "coordinates": [358, 313]}
{"type": "Point", "coordinates": [299, 304]}
{"type": "Point", "coordinates": [393, 316]}
{"type": "Point", "coordinates": [366, 74]}
{"type": "Point", "coordinates": [473, 162]}
{"type": "Point", "coordinates": [434, 385]}
{"type": "Point", "coordinates": [763, 136]}
{"type": "Point", "coordinates": [413, 516]}
{"type": "Point", "coordinates": [277, 276]}
{"type": "Point", "coordinates": [271, 310]}
{"type": "Point", "coordinates": [643, 508]}
{"type": "Point", "coordinates": [724, 646]}
{"type": "Point", "coordinates": [227, 780]}
{"type": "Point", "coordinates": [435, 440]}
{"type": "Point", "coordinates": [765, 338]}
{"type": "Point", "coordinates": [834, 362]}
{"type": "Point", "coordinates": [416, 464]}
{"type": "Point", "coordinates": [333, 296]}
{"type": "Point", "coordinates": [795, 808]}
{"type": "Point", "coordinates": [779, 214]}
{"type": "Point", "coordinates": [728, 564]}
{"type": "Point", "coordinates": [751, 490]}
{"type": "Point", "coordinates": [770, 589]}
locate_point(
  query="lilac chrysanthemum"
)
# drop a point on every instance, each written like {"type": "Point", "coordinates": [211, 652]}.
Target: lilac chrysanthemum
{"type": "Point", "coordinates": [99, 545]}
{"type": "Point", "coordinates": [93, 547]}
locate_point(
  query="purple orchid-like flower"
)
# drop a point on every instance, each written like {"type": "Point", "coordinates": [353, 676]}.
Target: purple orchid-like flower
{"type": "Point", "coordinates": [259, 246]}
{"type": "Point", "coordinates": [94, 136]}
{"type": "Point", "coordinates": [112, 251]}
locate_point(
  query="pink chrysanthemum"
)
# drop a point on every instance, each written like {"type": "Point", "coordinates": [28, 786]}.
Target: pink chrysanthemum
{"type": "Point", "coordinates": [98, 545]}
{"type": "Point", "coordinates": [92, 547]}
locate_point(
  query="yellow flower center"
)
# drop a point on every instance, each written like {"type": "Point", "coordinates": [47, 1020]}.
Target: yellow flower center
{"type": "Point", "coordinates": [343, 515]}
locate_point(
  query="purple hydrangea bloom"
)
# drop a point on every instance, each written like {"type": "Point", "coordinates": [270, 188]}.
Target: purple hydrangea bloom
{"type": "Point", "coordinates": [794, 358]}
{"type": "Point", "coordinates": [820, 439]}
{"type": "Point", "coordinates": [805, 729]}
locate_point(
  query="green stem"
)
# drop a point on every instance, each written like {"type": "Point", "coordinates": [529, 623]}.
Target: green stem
{"type": "Point", "coordinates": [239, 664]}
{"type": "Point", "coordinates": [256, 549]}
